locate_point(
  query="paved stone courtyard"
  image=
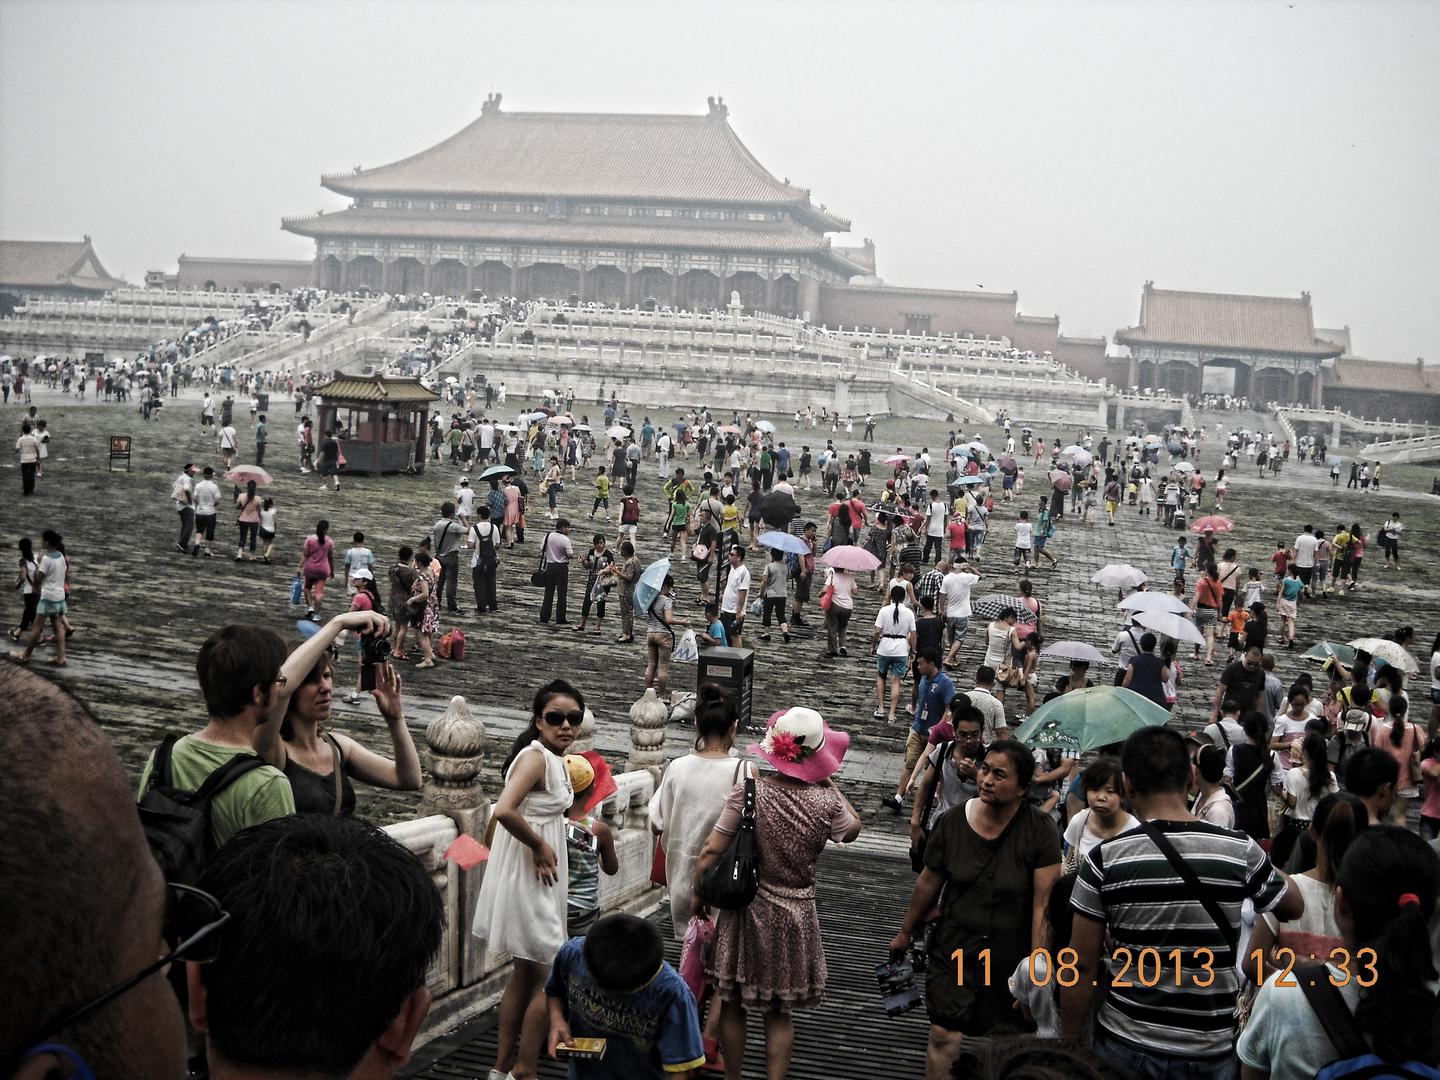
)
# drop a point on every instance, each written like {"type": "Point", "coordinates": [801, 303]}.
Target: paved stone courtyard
{"type": "Point", "coordinates": [142, 609]}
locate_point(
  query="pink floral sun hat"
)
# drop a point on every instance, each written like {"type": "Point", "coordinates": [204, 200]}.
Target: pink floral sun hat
{"type": "Point", "coordinates": [799, 743]}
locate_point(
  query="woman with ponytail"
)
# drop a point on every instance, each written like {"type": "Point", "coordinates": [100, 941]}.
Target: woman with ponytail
{"type": "Point", "coordinates": [1304, 786]}
{"type": "Point", "coordinates": [1402, 740]}
{"type": "Point", "coordinates": [1338, 819]}
{"type": "Point", "coordinates": [685, 807]}
{"type": "Point", "coordinates": [1385, 896]}
{"type": "Point", "coordinates": [894, 645]}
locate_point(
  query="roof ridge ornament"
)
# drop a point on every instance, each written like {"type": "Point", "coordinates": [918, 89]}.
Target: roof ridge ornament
{"type": "Point", "coordinates": [718, 109]}
{"type": "Point", "coordinates": [492, 105]}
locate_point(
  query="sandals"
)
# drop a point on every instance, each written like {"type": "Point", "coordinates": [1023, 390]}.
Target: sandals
{"type": "Point", "coordinates": [425, 663]}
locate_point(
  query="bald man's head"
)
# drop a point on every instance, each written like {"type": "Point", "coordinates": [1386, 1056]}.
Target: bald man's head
{"type": "Point", "coordinates": [83, 903]}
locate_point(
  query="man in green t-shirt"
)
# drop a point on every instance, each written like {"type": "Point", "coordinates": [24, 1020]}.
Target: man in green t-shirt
{"type": "Point", "coordinates": [239, 672]}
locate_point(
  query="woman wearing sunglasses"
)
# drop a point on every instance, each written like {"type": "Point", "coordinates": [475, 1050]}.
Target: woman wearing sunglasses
{"type": "Point", "coordinates": [521, 909]}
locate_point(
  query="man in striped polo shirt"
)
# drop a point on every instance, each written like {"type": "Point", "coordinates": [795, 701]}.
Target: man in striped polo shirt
{"type": "Point", "coordinates": [1173, 917]}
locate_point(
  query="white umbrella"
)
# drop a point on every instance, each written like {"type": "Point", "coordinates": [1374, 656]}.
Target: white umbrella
{"type": "Point", "coordinates": [506, 427]}
{"type": "Point", "coordinates": [1184, 466]}
{"type": "Point", "coordinates": [978, 446]}
{"type": "Point", "coordinates": [563, 421]}
{"type": "Point", "coordinates": [451, 379]}
{"type": "Point", "coordinates": [1154, 601]}
{"type": "Point", "coordinates": [1171, 625]}
{"type": "Point", "coordinates": [1387, 650]}
{"type": "Point", "coordinates": [581, 427]}
{"type": "Point", "coordinates": [1119, 576]}
{"type": "Point", "coordinates": [765, 425]}
{"type": "Point", "coordinates": [1073, 650]}
{"type": "Point", "coordinates": [619, 431]}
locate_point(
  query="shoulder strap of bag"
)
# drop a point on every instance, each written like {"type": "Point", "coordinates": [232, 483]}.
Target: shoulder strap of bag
{"type": "Point", "coordinates": [339, 769]}
{"type": "Point", "coordinates": [747, 811]}
{"type": "Point", "coordinates": [1192, 882]}
{"type": "Point", "coordinates": [544, 551]}
{"type": "Point", "coordinates": [945, 749]}
{"type": "Point", "coordinates": [160, 767]}
{"type": "Point", "coordinates": [1266, 763]}
{"type": "Point", "coordinates": [1326, 1001]}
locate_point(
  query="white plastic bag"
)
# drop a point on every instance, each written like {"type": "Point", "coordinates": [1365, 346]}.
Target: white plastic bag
{"type": "Point", "coordinates": [685, 648]}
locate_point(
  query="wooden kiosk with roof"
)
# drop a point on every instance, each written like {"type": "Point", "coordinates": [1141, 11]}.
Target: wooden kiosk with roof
{"type": "Point", "coordinates": [383, 421]}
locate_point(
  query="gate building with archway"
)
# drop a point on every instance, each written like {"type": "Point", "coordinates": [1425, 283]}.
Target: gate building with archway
{"type": "Point", "coordinates": [1264, 348]}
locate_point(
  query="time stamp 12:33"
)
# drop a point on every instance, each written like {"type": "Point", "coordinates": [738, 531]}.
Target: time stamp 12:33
{"type": "Point", "coordinates": [1151, 967]}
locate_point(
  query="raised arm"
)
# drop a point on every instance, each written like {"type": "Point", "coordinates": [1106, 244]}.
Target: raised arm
{"type": "Point", "coordinates": [402, 773]}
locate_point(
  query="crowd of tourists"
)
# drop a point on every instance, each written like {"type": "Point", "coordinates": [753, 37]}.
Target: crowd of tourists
{"type": "Point", "coordinates": [1255, 896]}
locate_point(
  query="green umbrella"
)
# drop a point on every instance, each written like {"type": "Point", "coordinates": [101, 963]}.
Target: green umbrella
{"type": "Point", "coordinates": [1089, 718]}
{"type": "Point", "coordinates": [1326, 649]}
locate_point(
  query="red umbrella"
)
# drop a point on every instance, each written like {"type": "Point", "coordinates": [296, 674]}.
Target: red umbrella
{"type": "Point", "coordinates": [1061, 480]}
{"type": "Point", "coordinates": [1213, 523]}
{"type": "Point", "coordinates": [850, 557]}
{"type": "Point", "coordinates": [243, 473]}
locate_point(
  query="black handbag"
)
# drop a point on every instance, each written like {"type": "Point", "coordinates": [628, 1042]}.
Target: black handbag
{"type": "Point", "coordinates": [732, 881]}
{"type": "Point", "coordinates": [538, 577]}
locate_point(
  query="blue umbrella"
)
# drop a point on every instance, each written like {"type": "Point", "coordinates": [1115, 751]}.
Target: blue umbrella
{"type": "Point", "coordinates": [785, 542]}
{"type": "Point", "coordinates": [308, 627]}
{"type": "Point", "coordinates": [647, 586]}
{"type": "Point", "coordinates": [970, 481]}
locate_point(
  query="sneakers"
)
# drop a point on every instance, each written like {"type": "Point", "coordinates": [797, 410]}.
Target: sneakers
{"type": "Point", "coordinates": [892, 803]}
{"type": "Point", "coordinates": [844, 651]}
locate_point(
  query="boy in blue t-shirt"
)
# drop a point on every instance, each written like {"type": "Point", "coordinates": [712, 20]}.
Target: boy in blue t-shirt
{"type": "Point", "coordinates": [614, 984]}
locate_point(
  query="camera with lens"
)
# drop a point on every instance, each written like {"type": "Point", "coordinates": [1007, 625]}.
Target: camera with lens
{"type": "Point", "coordinates": [898, 991]}
{"type": "Point", "coordinates": [374, 650]}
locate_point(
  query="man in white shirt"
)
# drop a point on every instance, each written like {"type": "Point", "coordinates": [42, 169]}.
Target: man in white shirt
{"type": "Point", "coordinates": [1305, 545]}
{"type": "Point", "coordinates": [1024, 540]}
{"type": "Point", "coordinates": [735, 597]}
{"type": "Point", "coordinates": [207, 411]}
{"type": "Point", "coordinates": [500, 395]}
{"type": "Point", "coordinates": [936, 518]}
{"type": "Point", "coordinates": [982, 696]}
{"type": "Point", "coordinates": [227, 442]}
{"type": "Point", "coordinates": [955, 606]}
{"type": "Point", "coordinates": [182, 490]}
{"type": "Point", "coordinates": [487, 440]}
{"type": "Point", "coordinates": [28, 447]}
{"type": "Point", "coordinates": [207, 504]}
{"type": "Point", "coordinates": [464, 502]}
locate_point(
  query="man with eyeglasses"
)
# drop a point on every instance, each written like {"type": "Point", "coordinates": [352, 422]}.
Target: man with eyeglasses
{"type": "Point", "coordinates": [239, 669]}
{"type": "Point", "coordinates": [83, 908]}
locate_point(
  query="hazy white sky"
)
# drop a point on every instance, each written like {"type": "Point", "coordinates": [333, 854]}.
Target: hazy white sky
{"type": "Point", "coordinates": [1068, 151]}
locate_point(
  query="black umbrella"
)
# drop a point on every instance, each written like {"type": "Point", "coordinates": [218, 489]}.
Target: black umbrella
{"type": "Point", "coordinates": [778, 509]}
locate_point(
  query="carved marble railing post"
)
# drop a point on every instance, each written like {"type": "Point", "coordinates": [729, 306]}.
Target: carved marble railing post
{"type": "Point", "coordinates": [453, 760]}
{"type": "Point", "coordinates": [647, 741]}
{"type": "Point", "coordinates": [452, 787]}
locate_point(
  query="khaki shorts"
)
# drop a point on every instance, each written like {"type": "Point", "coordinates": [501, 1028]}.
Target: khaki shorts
{"type": "Point", "coordinates": [914, 746]}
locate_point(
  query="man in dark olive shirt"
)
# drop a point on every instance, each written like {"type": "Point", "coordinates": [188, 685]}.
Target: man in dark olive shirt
{"type": "Point", "coordinates": [1242, 681]}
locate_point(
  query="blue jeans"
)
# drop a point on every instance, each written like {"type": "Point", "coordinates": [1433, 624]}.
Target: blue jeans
{"type": "Point", "coordinates": [1155, 1066]}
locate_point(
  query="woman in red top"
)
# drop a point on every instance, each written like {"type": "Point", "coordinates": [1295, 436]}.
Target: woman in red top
{"type": "Point", "coordinates": [1208, 596]}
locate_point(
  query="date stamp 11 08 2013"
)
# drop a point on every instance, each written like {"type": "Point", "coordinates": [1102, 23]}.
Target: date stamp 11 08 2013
{"type": "Point", "coordinates": [1151, 967]}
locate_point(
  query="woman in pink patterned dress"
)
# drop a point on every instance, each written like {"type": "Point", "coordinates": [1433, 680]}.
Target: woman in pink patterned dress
{"type": "Point", "coordinates": [769, 956]}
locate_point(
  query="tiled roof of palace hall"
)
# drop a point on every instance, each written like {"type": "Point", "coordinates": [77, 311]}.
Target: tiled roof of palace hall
{"type": "Point", "coordinates": [1353, 373]}
{"type": "Point", "coordinates": [54, 264]}
{"type": "Point", "coordinates": [682, 159]}
{"type": "Point", "coordinates": [351, 388]}
{"type": "Point", "coordinates": [763, 237]}
{"type": "Point", "coordinates": [1271, 324]}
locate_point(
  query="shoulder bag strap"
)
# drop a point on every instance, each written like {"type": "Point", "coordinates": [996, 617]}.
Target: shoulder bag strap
{"type": "Point", "coordinates": [945, 749]}
{"type": "Point", "coordinates": [160, 767]}
{"type": "Point", "coordinates": [339, 770]}
{"type": "Point", "coordinates": [1340, 1025]}
{"type": "Point", "coordinates": [1265, 766]}
{"type": "Point", "coordinates": [226, 775]}
{"type": "Point", "coordinates": [544, 551]}
{"type": "Point", "coordinates": [1193, 883]}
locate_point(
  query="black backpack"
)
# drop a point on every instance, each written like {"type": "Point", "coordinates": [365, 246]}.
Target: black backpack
{"type": "Point", "coordinates": [177, 822]}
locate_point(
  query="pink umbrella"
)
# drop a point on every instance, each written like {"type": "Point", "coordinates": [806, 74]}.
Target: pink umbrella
{"type": "Point", "coordinates": [1213, 523]}
{"type": "Point", "coordinates": [897, 459]}
{"type": "Point", "coordinates": [1061, 480]}
{"type": "Point", "coordinates": [729, 429]}
{"type": "Point", "coordinates": [243, 473]}
{"type": "Point", "coordinates": [850, 557]}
